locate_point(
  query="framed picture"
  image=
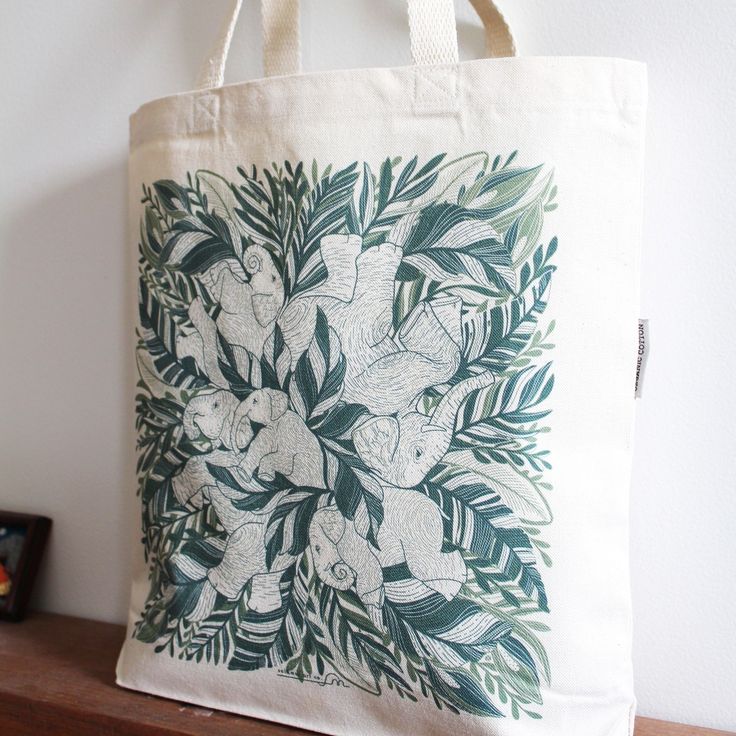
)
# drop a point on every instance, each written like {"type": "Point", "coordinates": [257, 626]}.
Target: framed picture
{"type": "Point", "coordinates": [22, 539]}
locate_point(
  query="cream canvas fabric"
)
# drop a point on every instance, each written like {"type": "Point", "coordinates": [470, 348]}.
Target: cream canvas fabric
{"type": "Point", "coordinates": [386, 344]}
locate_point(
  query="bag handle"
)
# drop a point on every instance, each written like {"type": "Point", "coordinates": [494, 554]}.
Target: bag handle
{"type": "Point", "coordinates": [432, 31]}
{"type": "Point", "coordinates": [281, 47]}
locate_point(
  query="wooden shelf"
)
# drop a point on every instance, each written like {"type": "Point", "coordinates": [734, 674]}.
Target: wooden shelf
{"type": "Point", "coordinates": [56, 677]}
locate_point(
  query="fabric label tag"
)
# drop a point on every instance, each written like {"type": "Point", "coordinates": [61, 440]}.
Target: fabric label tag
{"type": "Point", "coordinates": [641, 356]}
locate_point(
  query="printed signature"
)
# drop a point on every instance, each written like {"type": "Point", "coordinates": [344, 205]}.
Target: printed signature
{"type": "Point", "coordinates": [329, 679]}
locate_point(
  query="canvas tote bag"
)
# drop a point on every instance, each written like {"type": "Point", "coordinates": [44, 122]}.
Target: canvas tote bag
{"type": "Point", "coordinates": [386, 348]}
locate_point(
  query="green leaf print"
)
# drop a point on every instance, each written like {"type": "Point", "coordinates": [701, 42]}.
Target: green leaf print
{"type": "Point", "coordinates": [345, 375]}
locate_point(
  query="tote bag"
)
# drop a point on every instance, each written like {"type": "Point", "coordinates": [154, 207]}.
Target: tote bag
{"type": "Point", "coordinates": [386, 347]}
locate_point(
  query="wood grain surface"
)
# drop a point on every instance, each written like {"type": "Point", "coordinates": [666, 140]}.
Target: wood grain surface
{"type": "Point", "coordinates": [650, 727]}
{"type": "Point", "coordinates": [57, 677]}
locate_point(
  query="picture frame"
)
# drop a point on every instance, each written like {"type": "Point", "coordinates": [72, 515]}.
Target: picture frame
{"type": "Point", "coordinates": [22, 542]}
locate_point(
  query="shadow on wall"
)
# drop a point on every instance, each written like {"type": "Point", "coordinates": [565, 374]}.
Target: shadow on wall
{"type": "Point", "coordinates": [66, 306]}
{"type": "Point", "coordinates": [471, 39]}
{"type": "Point", "coordinates": [372, 34]}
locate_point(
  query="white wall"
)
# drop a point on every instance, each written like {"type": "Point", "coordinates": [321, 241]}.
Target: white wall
{"type": "Point", "coordinates": [72, 71]}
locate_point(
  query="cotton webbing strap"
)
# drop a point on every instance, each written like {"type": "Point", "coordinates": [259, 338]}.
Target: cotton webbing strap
{"type": "Point", "coordinates": [432, 30]}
